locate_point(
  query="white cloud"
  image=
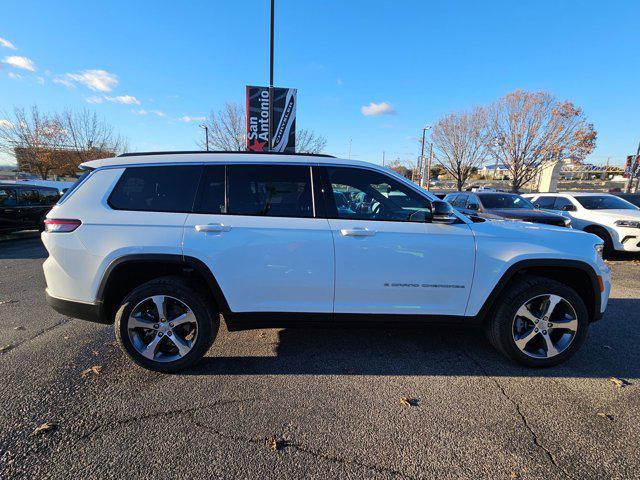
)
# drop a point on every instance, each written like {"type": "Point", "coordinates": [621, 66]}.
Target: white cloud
{"type": "Point", "coordinates": [123, 99]}
{"type": "Point", "coordinates": [64, 81]}
{"type": "Point", "coordinates": [142, 111]}
{"type": "Point", "coordinates": [373, 109]}
{"type": "Point", "coordinates": [5, 123]}
{"type": "Point", "coordinates": [20, 62]}
{"type": "Point", "coordinates": [96, 80]}
{"type": "Point", "coordinates": [94, 99]}
{"type": "Point", "coordinates": [7, 44]}
{"type": "Point", "coordinates": [40, 80]}
{"type": "Point", "coordinates": [15, 76]}
{"type": "Point", "coordinates": [186, 118]}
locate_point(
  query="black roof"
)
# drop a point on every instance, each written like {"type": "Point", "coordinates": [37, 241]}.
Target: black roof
{"type": "Point", "coordinates": [202, 152]}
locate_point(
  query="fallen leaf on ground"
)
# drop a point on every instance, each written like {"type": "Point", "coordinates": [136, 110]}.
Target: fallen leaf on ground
{"type": "Point", "coordinates": [605, 415]}
{"type": "Point", "coordinates": [7, 302]}
{"type": "Point", "coordinates": [95, 370]}
{"type": "Point", "coordinates": [275, 443]}
{"type": "Point", "coordinates": [619, 382]}
{"type": "Point", "coordinates": [20, 327]}
{"type": "Point", "coordinates": [514, 475]}
{"type": "Point", "coordinates": [411, 402]}
{"type": "Point", "coordinates": [4, 348]}
{"type": "Point", "coordinates": [44, 428]}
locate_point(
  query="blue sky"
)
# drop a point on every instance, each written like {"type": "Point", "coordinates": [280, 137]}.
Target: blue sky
{"type": "Point", "coordinates": [424, 59]}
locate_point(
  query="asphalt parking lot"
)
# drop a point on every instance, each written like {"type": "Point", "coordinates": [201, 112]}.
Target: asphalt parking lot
{"type": "Point", "coordinates": [329, 400]}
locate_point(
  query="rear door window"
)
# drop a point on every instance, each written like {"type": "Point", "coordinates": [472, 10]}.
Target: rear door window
{"type": "Point", "coordinates": [545, 202]}
{"type": "Point", "coordinates": [561, 203]}
{"type": "Point", "coordinates": [212, 197]}
{"type": "Point", "coordinates": [28, 197]}
{"type": "Point", "coordinates": [157, 189]}
{"type": "Point", "coordinates": [269, 190]}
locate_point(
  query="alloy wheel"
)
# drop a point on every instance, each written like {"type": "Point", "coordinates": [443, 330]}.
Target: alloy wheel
{"type": "Point", "coordinates": [544, 326]}
{"type": "Point", "coordinates": [162, 328]}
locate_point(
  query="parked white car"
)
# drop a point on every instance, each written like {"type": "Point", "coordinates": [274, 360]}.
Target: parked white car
{"type": "Point", "coordinates": [162, 244]}
{"type": "Point", "coordinates": [614, 220]}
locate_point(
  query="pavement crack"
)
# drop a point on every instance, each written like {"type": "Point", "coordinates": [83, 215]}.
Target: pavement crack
{"type": "Point", "coordinates": [119, 422]}
{"type": "Point", "coordinates": [306, 450]}
{"type": "Point", "coordinates": [44, 331]}
{"type": "Point", "coordinates": [534, 437]}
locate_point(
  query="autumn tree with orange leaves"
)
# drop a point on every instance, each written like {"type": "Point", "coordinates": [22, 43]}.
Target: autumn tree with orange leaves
{"type": "Point", "coordinates": [529, 128]}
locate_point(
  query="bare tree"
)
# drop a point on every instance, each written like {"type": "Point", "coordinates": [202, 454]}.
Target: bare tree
{"type": "Point", "coordinates": [34, 137]}
{"type": "Point", "coordinates": [460, 143]}
{"type": "Point", "coordinates": [227, 129]}
{"type": "Point", "coordinates": [308, 142]}
{"type": "Point", "coordinates": [88, 137]}
{"type": "Point", "coordinates": [529, 128]}
{"type": "Point", "coordinates": [403, 168]}
{"type": "Point", "coordinates": [48, 144]}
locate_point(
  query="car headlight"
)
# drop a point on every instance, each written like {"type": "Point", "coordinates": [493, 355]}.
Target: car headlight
{"type": "Point", "coordinates": [627, 223]}
{"type": "Point", "coordinates": [599, 249]}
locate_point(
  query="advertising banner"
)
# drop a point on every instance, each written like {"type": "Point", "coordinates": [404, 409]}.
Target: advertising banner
{"type": "Point", "coordinates": [284, 119]}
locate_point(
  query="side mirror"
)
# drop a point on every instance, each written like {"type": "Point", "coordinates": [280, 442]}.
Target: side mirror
{"type": "Point", "coordinates": [442, 212]}
{"type": "Point", "coordinates": [569, 208]}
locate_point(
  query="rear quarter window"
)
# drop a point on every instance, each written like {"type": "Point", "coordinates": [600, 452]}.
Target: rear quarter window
{"type": "Point", "coordinates": [156, 189]}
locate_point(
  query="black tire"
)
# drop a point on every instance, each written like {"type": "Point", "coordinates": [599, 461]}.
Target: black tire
{"type": "Point", "coordinates": [608, 250]}
{"type": "Point", "coordinates": [207, 320]}
{"type": "Point", "coordinates": [499, 327]}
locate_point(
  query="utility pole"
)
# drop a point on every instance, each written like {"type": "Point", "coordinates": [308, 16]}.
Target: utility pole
{"type": "Point", "coordinates": [271, 78]}
{"type": "Point", "coordinates": [206, 135]}
{"type": "Point", "coordinates": [429, 164]}
{"type": "Point", "coordinates": [633, 170]}
{"type": "Point", "coordinates": [383, 158]}
{"type": "Point", "coordinates": [421, 167]}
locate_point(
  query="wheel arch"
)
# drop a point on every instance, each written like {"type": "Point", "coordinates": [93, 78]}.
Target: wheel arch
{"type": "Point", "coordinates": [129, 271]}
{"type": "Point", "coordinates": [574, 273]}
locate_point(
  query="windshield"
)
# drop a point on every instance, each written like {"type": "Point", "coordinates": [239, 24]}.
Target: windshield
{"type": "Point", "coordinates": [504, 200]}
{"type": "Point", "coordinates": [604, 202]}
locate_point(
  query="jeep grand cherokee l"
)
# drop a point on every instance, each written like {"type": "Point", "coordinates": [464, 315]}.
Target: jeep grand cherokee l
{"type": "Point", "coordinates": [162, 244]}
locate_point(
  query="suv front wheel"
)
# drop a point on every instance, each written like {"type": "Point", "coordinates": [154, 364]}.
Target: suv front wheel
{"type": "Point", "coordinates": [539, 322]}
{"type": "Point", "coordinates": [165, 326]}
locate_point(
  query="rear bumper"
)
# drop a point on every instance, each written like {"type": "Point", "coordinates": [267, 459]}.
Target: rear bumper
{"type": "Point", "coordinates": [83, 311]}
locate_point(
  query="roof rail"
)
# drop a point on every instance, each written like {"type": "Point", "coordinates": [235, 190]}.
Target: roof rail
{"type": "Point", "coordinates": [202, 152]}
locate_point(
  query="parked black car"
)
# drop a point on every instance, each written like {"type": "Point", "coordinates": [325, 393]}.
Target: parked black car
{"type": "Point", "coordinates": [24, 207]}
{"type": "Point", "coordinates": [503, 205]}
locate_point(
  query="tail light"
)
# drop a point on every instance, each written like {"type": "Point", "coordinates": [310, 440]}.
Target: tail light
{"type": "Point", "coordinates": [59, 225]}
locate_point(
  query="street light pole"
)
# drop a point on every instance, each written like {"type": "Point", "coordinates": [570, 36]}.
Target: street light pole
{"type": "Point", "coordinates": [206, 135]}
{"type": "Point", "coordinates": [429, 164]}
{"type": "Point", "coordinates": [271, 77]}
{"type": "Point", "coordinates": [422, 162]}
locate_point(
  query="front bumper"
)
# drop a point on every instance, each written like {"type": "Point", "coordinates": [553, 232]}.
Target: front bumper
{"type": "Point", "coordinates": [83, 311]}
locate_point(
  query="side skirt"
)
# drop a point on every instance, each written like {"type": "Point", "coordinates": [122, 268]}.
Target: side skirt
{"type": "Point", "coordinates": [257, 320]}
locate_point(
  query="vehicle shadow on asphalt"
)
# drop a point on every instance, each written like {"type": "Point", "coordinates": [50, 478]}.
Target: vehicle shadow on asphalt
{"type": "Point", "coordinates": [451, 351]}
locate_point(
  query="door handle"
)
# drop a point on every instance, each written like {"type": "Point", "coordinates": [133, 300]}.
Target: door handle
{"type": "Point", "coordinates": [213, 227]}
{"type": "Point", "coordinates": [357, 232]}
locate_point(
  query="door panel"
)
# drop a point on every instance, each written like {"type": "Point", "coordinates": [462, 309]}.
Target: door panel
{"type": "Point", "coordinates": [403, 268]}
{"type": "Point", "coordinates": [265, 264]}
{"type": "Point", "coordinates": [388, 259]}
{"type": "Point", "coordinates": [256, 230]}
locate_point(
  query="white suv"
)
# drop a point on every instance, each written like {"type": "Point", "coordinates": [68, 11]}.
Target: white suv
{"type": "Point", "coordinates": [162, 244]}
{"type": "Point", "coordinates": [614, 220]}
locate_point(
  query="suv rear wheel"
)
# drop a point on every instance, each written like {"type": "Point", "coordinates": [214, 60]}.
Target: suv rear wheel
{"type": "Point", "coordinates": [165, 326]}
{"type": "Point", "coordinates": [539, 322]}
